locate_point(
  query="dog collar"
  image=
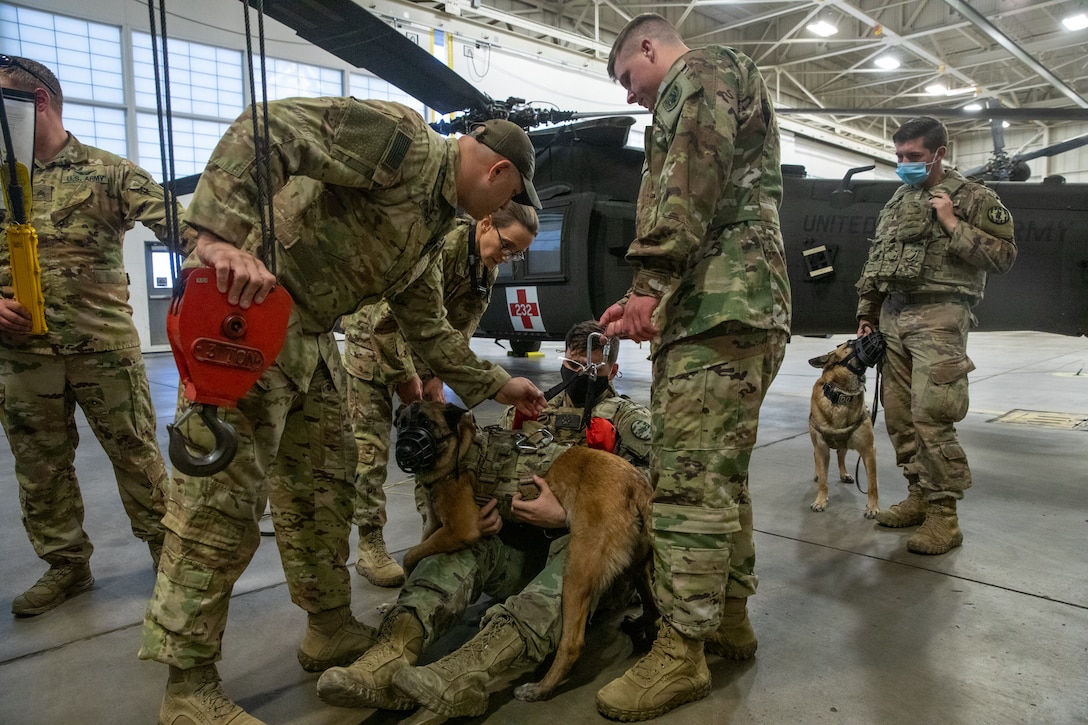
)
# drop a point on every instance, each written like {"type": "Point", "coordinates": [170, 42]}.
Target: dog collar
{"type": "Point", "coordinates": [838, 396]}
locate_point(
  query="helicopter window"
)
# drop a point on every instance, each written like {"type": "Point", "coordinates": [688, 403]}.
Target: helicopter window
{"type": "Point", "coordinates": [544, 256]}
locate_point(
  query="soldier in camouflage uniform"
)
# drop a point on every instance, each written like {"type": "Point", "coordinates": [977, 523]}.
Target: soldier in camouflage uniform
{"type": "Point", "coordinates": [85, 199]}
{"type": "Point", "coordinates": [526, 627]}
{"type": "Point", "coordinates": [935, 241]}
{"type": "Point", "coordinates": [379, 362]}
{"type": "Point", "coordinates": [711, 291]}
{"type": "Point", "coordinates": [364, 192]}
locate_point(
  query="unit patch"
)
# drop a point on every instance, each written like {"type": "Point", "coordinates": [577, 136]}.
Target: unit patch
{"type": "Point", "coordinates": [641, 429]}
{"type": "Point", "coordinates": [998, 215]}
{"type": "Point", "coordinates": [671, 98]}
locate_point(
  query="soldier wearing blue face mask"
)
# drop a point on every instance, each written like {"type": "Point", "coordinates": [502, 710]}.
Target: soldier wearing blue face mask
{"type": "Point", "coordinates": [936, 240]}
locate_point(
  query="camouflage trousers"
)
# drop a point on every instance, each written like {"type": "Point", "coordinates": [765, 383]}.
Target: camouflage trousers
{"type": "Point", "coordinates": [442, 587]}
{"type": "Point", "coordinates": [537, 610]}
{"type": "Point", "coordinates": [294, 449]}
{"type": "Point", "coordinates": [704, 401]}
{"type": "Point", "coordinates": [924, 391]}
{"type": "Point", "coordinates": [38, 397]}
{"type": "Point", "coordinates": [370, 407]}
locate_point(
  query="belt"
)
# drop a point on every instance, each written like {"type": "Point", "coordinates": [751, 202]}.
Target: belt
{"type": "Point", "coordinates": [927, 298]}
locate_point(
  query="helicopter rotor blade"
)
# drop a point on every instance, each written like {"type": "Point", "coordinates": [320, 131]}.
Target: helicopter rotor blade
{"type": "Point", "coordinates": [1054, 149]}
{"type": "Point", "coordinates": [1011, 114]}
{"type": "Point", "coordinates": [364, 40]}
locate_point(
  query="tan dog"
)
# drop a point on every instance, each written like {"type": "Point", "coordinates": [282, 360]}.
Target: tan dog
{"type": "Point", "coordinates": [608, 512]}
{"type": "Point", "coordinates": [838, 419]}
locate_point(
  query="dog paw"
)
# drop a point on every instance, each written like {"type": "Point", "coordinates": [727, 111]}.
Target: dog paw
{"type": "Point", "coordinates": [818, 505]}
{"type": "Point", "coordinates": [846, 478]}
{"type": "Point", "coordinates": [870, 513]}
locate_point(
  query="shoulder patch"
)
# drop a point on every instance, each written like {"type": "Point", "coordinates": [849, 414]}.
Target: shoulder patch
{"type": "Point", "coordinates": [998, 215]}
{"type": "Point", "coordinates": [641, 429]}
{"type": "Point", "coordinates": [672, 98]}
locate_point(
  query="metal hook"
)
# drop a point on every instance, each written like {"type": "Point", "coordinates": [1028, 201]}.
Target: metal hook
{"type": "Point", "coordinates": [226, 443]}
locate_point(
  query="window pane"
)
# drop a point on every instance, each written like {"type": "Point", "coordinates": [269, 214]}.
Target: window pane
{"type": "Point", "coordinates": [211, 75]}
{"type": "Point", "coordinates": [287, 79]}
{"type": "Point", "coordinates": [101, 127]}
{"type": "Point", "coordinates": [364, 86]}
{"type": "Point", "coordinates": [193, 144]}
{"type": "Point", "coordinates": [88, 69]}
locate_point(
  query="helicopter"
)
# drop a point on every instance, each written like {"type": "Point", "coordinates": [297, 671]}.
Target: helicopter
{"type": "Point", "coordinates": [588, 180]}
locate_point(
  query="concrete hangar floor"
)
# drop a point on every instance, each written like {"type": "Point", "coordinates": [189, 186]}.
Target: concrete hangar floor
{"type": "Point", "coordinates": [852, 627]}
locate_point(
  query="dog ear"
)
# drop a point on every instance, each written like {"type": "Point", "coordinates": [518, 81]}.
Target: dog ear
{"type": "Point", "coordinates": [453, 415]}
{"type": "Point", "coordinates": [819, 362]}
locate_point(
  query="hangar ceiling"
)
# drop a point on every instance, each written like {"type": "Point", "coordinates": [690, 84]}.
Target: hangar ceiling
{"type": "Point", "coordinates": [947, 53]}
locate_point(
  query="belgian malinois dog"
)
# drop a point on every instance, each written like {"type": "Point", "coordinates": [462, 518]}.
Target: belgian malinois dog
{"type": "Point", "coordinates": [607, 501]}
{"type": "Point", "coordinates": [838, 419]}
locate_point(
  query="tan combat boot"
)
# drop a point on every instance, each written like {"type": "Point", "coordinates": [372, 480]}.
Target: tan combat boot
{"type": "Point", "coordinates": [196, 697]}
{"type": "Point", "coordinates": [672, 673]}
{"type": "Point", "coordinates": [456, 685]}
{"type": "Point", "coordinates": [734, 639]}
{"type": "Point", "coordinates": [940, 532]}
{"type": "Point", "coordinates": [333, 637]}
{"type": "Point", "coordinates": [62, 581]}
{"type": "Point", "coordinates": [374, 562]}
{"type": "Point", "coordinates": [911, 511]}
{"type": "Point", "coordinates": [369, 681]}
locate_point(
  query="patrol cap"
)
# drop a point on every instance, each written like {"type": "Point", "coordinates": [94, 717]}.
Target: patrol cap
{"type": "Point", "coordinates": [510, 141]}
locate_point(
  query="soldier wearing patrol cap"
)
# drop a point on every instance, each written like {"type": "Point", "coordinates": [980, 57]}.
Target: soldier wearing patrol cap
{"type": "Point", "coordinates": [364, 192]}
{"type": "Point", "coordinates": [936, 240]}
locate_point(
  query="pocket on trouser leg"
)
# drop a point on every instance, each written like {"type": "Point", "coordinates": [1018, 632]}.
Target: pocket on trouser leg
{"type": "Point", "coordinates": [691, 565]}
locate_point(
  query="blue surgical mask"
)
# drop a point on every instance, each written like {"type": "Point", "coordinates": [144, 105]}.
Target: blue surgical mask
{"type": "Point", "coordinates": [913, 172]}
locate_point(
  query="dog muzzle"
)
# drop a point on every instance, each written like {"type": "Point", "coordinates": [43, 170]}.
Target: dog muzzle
{"type": "Point", "coordinates": [417, 445]}
{"type": "Point", "coordinates": [866, 352]}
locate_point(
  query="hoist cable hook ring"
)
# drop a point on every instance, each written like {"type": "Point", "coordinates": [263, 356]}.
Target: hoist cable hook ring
{"type": "Point", "coordinates": [226, 443]}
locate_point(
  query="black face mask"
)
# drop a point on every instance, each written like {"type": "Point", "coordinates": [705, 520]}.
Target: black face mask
{"type": "Point", "coordinates": [580, 388]}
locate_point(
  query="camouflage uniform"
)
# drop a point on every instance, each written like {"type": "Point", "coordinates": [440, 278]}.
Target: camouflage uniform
{"type": "Point", "coordinates": [85, 199]}
{"type": "Point", "coordinates": [364, 191]}
{"type": "Point", "coordinates": [443, 586]}
{"type": "Point", "coordinates": [377, 359]}
{"type": "Point", "coordinates": [708, 242]}
{"type": "Point", "coordinates": [921, 283]}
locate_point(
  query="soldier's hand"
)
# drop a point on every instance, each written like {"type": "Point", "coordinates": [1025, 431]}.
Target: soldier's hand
{"type": "Point", "coordinates": [490, 520]}
{"type": "Point", "coordinates": [239, 274]}
{"type": "Point", "coordinates": [523, 395]}
{"type": "Point", "coordinates": [637, 321]}
{"type": "Point", "coordinates": [15, 318]}
{"type": "Point", "coordinates": [544, 511]}
{"type": "Point", "coordinates": [946, 212]}
{"type": "Point", "coordinates": [410, 391]}
{"type": "Point", "coordinates": [865, 328]}
{"type": "Point", "coordinates": [612, 314]}
{"type": "Point", "coordinates": [434, 391]}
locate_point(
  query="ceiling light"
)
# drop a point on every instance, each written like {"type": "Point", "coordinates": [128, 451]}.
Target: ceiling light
{"type": "Point", "coordinates": [936, 89]}
{"type": "Point", "coordinates": [973, 107]}
{"type": "Point", "coordinates": [1004, 124]}
{"type": "Point", "coordinates": [822, 28]}
{"type": "Point", "coordinates": [887, 62]}
{"type": "Point", "coordinates": [1073, 22]}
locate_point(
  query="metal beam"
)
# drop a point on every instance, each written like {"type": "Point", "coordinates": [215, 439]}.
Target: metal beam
{"type": "Point", "coordinates": [1008, 44]}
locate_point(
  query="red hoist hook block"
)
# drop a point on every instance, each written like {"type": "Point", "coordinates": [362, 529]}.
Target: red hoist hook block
{"type": "Point", "coordinates": [220, 350]}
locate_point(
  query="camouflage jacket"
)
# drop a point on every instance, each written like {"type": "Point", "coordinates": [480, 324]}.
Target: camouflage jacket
{"type": "Point", "coordinates": [374, 347]}
{"type": "Point", "coordinates": [364, 191]}
{"type": "Point", "coordinates": [564, 419]}
{"type": "Point", "coordinates": [707, 228]}
{"type": "Point", "coordinates": [85, 199]}
{"type": "Point", "coordinates": [912, 252]}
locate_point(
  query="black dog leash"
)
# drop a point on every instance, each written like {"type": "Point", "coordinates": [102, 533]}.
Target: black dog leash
{"type": "Point", "coordinates": [872, 417]}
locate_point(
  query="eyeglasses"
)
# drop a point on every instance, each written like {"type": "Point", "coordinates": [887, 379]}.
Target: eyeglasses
{"type": "Point", "coordinates": [509, 252]}
{"type": "Point", "coordinates": [6, 61]}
